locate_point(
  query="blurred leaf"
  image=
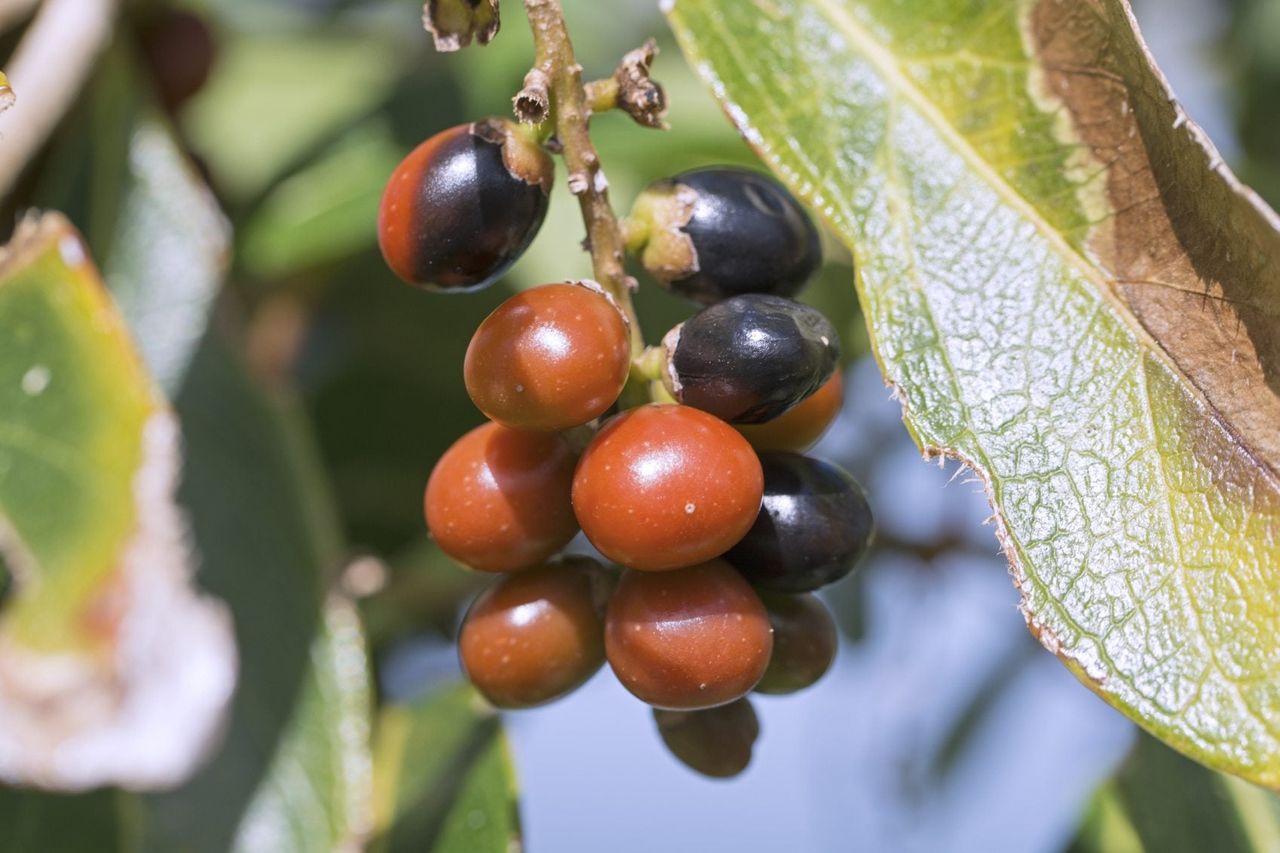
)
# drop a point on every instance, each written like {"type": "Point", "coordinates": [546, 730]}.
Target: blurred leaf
{"type": "Point", "coordinates": [169, 253]}
{"type": "Point", "coordinates": [267, 532]}
{"type": "Point", "coordinates": [1160, 801]}
{"type": "Point", "coordinates": [272, 100]}
{"type": "Point", "coordinates": [114, 669]}
{"type": "Point", "coordinates": [48, 823]}
{"type": "Point", "coordinates": [325, 212]}
{"type": "Point", "coordinates": [1070, 293]}
{"type": "Point", "coordinates": [426, 589]}
{"type": "Point", "coordinates": [444, 779]}
{"type": "Point", "coordinates": [318, 793]}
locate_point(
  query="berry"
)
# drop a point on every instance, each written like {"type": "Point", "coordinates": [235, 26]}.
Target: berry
{"type": "Point", "coordinates": [814, 526]}
{"type": "Point", "coordinates": [498, 499]}
{"type": "Point", "coordinates": [799, 427]}
{"type": "Point", "coordinates": [665, 486]}
{"type": "Point", "coordinates": [549, 358]}
{"type": "Point", "coordinates": [713, 233]}
{"type": "Point", "coordinates": [750, 358]}
{"type": "Point", "coordinates": [464, 205]}
{"type": "Point", "coordinates": [179, 50]}
{"type": "Point", "coordinates": [804, 643]}
{"type": "Point", "coordinates": [716, 742]}
{"type": "Point", "coordinates": [694, 638]}
{"type": "Point", "coordinates": [536, 635]}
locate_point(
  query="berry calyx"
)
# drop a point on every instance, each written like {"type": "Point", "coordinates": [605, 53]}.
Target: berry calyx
{"type": "Point", "coordinates": [693, 638]}
{"type": "Point", "coordinates": [750, 358]}
{"type": "Point", "coordinates": [715, 742]}
{"type": "Point", "coordinates": [498, 499]}
{"type": "Point", "coordinates": [664, 486]}
{"type": "Point", "coordinates": [712, 233]}
{"type": "Point", "coordinates": [814, 526]}
{"type": "Point", "coordinates": [536, 635]}
{"type": "Point", "coordinates": [804, 643]}
{"type": "Point", "coordinates": [799, 427]}
{"type": "Point", "coordinates": [463, 206]}
{"type": "Point", "coordinates": [549, 358]}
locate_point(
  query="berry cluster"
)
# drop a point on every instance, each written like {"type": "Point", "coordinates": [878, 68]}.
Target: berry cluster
{"type": "Point", "coordinates": [695, 486]}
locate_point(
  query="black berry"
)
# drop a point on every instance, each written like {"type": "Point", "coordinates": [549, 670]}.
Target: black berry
{"type": "Point", "coordinates": [716, 742]}
{"type": "Point", "coordinates": [813, 528]}
{"type": "Point", "coordinates": [750, 358]}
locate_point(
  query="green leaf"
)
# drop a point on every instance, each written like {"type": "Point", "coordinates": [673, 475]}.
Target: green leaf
{"type": "Point", "coordinates": [114, 669]}
{"type": "Point", "coordinates": [1160, 801]}
{"type": "Point", "coordinates": [1069, 292]}
{"type": "Point", "coordinates": [443, 778]}
{"type": "Point", "coordinates": [318, 793]}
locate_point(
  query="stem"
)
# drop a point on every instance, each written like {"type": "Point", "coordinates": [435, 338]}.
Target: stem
{"type": "Point", "coordinates": [554, 57]}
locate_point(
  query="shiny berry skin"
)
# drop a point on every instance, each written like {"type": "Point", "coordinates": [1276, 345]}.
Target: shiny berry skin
{"type": "Point", "coordinates": [804, 642]}
{"type": "Point", "coordinates": [664, 486]}
{"type": "Point", "coordinates": [549, 358]}
{"type": "Point", "coordinates": [498, 499]}
{"type": "Point", "coordinates": [814, 527]}
{"type": "Point", "coordinates": [722, 231]}
{"type": "Point", "coordinates": [715, 742]}
{"type": "Point", "coordinates": [535, 635]}
{"type": "Point", "coordinates": [463, 206]}
{"type": "Point", "coordinates": [693, 638]}
{"type": "Point", "coordinates": [799, 427]}
{"type": "Point", "coordinates": [750, 358]}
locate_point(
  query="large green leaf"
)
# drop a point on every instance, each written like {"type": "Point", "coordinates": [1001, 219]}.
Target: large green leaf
{"type": "Point", "coordinates": [443, 778]}
{"type": "Point", "coordinates": [112, 668]}
{"type": "Point", "coordinates": [1069, 291]}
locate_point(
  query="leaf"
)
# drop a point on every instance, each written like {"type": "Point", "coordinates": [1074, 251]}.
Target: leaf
{"type": "Point", "coordinates": [318, 793]}
{"type": "Point", "coordinates": [443, 778]}
{"type": "Point", "coordinates": [270, 545]}
{"type": "Point", "coordinates": [112, 668]}
{"type": "Point", "coordinates": [1160, 801]}
{"type": "Point", "coordinates": [1069, 292]}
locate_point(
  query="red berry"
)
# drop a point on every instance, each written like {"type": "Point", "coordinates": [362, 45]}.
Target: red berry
{"type": "Point", "coordinates": [804, 643]}
{"type": "Point", "coordinates": [715, 742]}
{"type": "Point", "coordinates": [463, 206]}
{"type": "Point", "coordinates": [693, 638]}
{"type": "Point", "coordinates": [665, 486]}
{"type": "Point", "coordinates": [536, 635]}
{"type": "Point", "coordinates": [549, 358]}
{"type": "Point", "coordinates": [803, 424]}
{"type": "Point", "coordinates": [498, 499]}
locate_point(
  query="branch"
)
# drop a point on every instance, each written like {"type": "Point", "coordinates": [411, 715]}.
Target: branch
{"type": "Point", "coordinates": [47, 70]}
{"type": "Point", "coordinates": [554, 63]}
{"type": "Point", "coordinates": [14, 11]}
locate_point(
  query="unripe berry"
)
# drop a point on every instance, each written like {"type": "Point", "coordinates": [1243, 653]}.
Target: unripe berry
{"type": "Point", "coordinates": [498, 499]}
{"type": "Point", "coordinates": [549, 358]}
{"type": "Point", "coordinates": [463, 206]}
{"type": "Point", "coordinates": [665, 486]}
{"type": "Point", "coordinates": [693, 638]}
{"type": "Point", "coordinates": [536, 635]}
{"type": "Point", "coordinates": [712, 233]}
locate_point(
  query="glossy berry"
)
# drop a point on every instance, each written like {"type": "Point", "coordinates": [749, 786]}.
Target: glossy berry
{"type": "Point", "coordinates": [750, 358]}
{"type": "Point", "coordinates": [665, 486]}
{"type": "Point", "coordinates": [536, 635]}
{"type": "Point", "coordinates": [498, 499]}
{"type": "Point", "coordinates": [717, 232]}
{"type": "Point", "coordinates": [549, 358]}
{"type": "Point", "coordinates": [814, 527]}
{"type": "Point", "coordinates": [694, 638]}
{"type": "Point", "coordinates": [464, 205]}
{"type": "Point", "coordinates": [803, 424]}
{"type": "Point", "coordinates": [715, 742]}
{"type": "Point", "coordinates": [804, 643]}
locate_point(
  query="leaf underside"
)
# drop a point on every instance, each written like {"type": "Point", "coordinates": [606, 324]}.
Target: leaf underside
{"type": "Point", "coordinates": [1068, 291]}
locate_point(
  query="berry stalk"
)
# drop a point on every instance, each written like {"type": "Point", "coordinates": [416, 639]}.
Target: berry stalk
{"type": "Point", "coordinates": [571, 110]}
